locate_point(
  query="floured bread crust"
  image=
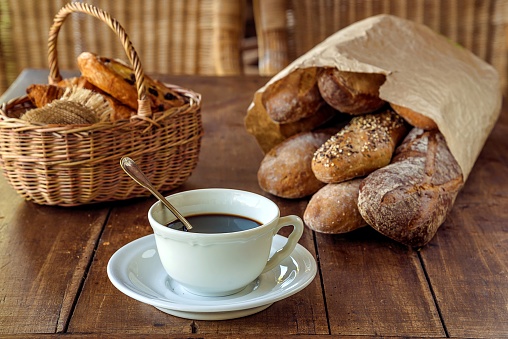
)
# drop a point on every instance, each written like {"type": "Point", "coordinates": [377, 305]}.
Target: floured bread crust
{"type": "Point", "coordinates": [410, 198]}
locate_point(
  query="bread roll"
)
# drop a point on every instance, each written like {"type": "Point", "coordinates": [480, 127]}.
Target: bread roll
{"type": "Point", "coordinates": [414, 118]}
{"type": "Point", "coordinates": [409, 199]}
{"type": "Point", "coordinates": [350, 92]}
{"type": "Point", "coordinates": [286, 170]}
{"type": "Point", "coordinates": [118, 80]}
{"type": "Point", "coordinates": [293, 97]}
{"type": "Point", "coordinates": [333, 209]}
{"type": "Point", "coordinates": [364, 145]}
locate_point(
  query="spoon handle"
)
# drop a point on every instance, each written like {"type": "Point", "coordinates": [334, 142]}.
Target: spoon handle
{"type": "Point", "coordinates": [131, 168]}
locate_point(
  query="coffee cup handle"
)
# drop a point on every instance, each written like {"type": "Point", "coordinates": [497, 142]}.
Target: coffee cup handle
{"type": "Point", "coordinates": [284, 252]}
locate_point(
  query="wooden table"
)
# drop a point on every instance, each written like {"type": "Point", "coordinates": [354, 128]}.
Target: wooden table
{"type": "Point", "coordinates": [53, 259]}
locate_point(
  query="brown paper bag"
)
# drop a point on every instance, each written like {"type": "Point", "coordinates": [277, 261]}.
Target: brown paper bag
{"type": "Point", "coordinates": [424, 71]}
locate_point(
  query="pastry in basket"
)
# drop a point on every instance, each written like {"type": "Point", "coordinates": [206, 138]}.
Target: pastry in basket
{"type": "Point", "coordinates": [76, 106]}
{"type": "Point", "coordinates": [80, 82]}
{"type": "Point", "coordinates": [118, 80]}
{"type": "Point", "coordinates": [119, 112]}
{"type": "Point", "coordinates": [41, 95]}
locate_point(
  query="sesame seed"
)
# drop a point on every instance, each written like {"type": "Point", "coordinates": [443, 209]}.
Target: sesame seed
{"type": "Point", "coordinates": [378, 128]}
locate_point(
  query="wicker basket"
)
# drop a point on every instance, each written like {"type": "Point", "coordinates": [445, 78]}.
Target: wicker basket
{"type": "Point", "coordinates": [70, 165]}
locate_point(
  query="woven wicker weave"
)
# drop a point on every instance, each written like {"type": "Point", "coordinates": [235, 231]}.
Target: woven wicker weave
{"type": "Point", "coordinates": [287, 29]}
{"type": "Point", "coordinates": [72, 165]}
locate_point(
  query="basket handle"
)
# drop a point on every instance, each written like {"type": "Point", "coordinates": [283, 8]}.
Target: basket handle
{"type": "Point", "coordinates": [144, 109]}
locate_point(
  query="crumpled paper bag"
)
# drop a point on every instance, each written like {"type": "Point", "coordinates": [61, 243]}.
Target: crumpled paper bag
{"type": "Point", "coordinates": [425, 72]}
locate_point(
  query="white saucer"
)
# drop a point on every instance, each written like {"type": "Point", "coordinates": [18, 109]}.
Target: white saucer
{"type": "Point", "coordinates": [136, 270]}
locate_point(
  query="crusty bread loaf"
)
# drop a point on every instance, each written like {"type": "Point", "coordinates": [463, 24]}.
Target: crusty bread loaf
{"type": "Point", "coordinates": [269, 134]}
{"type": "Point", "coordinates": [293, 97]}
{"type": "Point", "coordinates": [364, 145]}
{"type": "Point", "coordinates": [409, 199]}
{"type": "Point", "coordinates": [414, 118]}
{"type": "Point", "coordinates": [333, 209]}
{"type": "Point", "coordinates": [351, 92]}
{"type": "Point", "coordinates": [286, 170]}
{"type": "Point", "coordinates": [118, 80]}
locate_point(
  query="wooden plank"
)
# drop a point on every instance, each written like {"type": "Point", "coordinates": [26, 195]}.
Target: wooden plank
{"type": "Point", "coordinates": [44, 257]}
{"type": "Point", "coordinates": [43, 261]}
{"type": "Point", "coordinates": [195, 336]}
{"type": "Point", "coordinates": [467, 262]}
{"type": "Point", "coordinates": [229, 158]}
{"type": "Point", "coordinates": [374, 286]}
{"type": "Point", "coordinates": [101, 307]}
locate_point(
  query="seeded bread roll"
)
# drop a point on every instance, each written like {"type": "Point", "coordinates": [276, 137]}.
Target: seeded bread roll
{"type": "Point", "coordinates": [410, 198]}
{"type": "Point", "coordinates": [414, 118]}
{"type": "Point", "coordinates": [364, 145]}
{"type": "Point", "coordinates": [118, 80]}
{"type": "Point", "coordinates": [293, 97]}
{"type": "Point", "coordinates": [333, 209]}
{"type": "Point", "coordinates": [286, 170]}
{"type": "Point", "coordinates": [350, 92]}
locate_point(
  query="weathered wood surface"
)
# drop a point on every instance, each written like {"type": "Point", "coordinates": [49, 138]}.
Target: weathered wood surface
{"type": "Point", "coordinates": [53, 260]}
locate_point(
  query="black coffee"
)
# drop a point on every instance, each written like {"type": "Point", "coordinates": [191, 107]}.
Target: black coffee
{"type": "Point", "coordinates": [215, 223]}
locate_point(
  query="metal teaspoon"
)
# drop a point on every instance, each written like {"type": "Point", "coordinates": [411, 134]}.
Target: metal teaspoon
{"type": "Point", "coordinates": [132, 169]}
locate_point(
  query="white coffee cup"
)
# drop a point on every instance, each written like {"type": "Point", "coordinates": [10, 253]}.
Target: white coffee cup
{"type": "Point", "coordinates": [218, 264]}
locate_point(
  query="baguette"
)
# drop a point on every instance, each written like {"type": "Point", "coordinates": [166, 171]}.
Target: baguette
{"type": "Point", "coordinates": [293, 97]}
{"type": "Point", "coordinates": [414, 118]}
{"type": "Point", "coordinates": [286, 170]}
{"type": "Point", "coordinates": [410, 198]}
{"type": "Point", "coordinates": [333, 209]}
{"type": "Point", "coordinates": [364, 145]}
{"type": "Point", "coordinates": [350, 92]}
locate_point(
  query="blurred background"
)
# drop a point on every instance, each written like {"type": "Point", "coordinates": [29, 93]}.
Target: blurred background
{"type": "Point", "coordinates": [231, 37]}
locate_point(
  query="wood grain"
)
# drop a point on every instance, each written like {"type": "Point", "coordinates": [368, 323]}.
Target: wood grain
{"type": "Point", "coordinates": [43, 262]}
{"type": "Point", "coordinates": [53, 260]}
{"type": "Point", "coordinates": [467, 261]}
{"type": "Point", "coordinates": [374, 286]}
